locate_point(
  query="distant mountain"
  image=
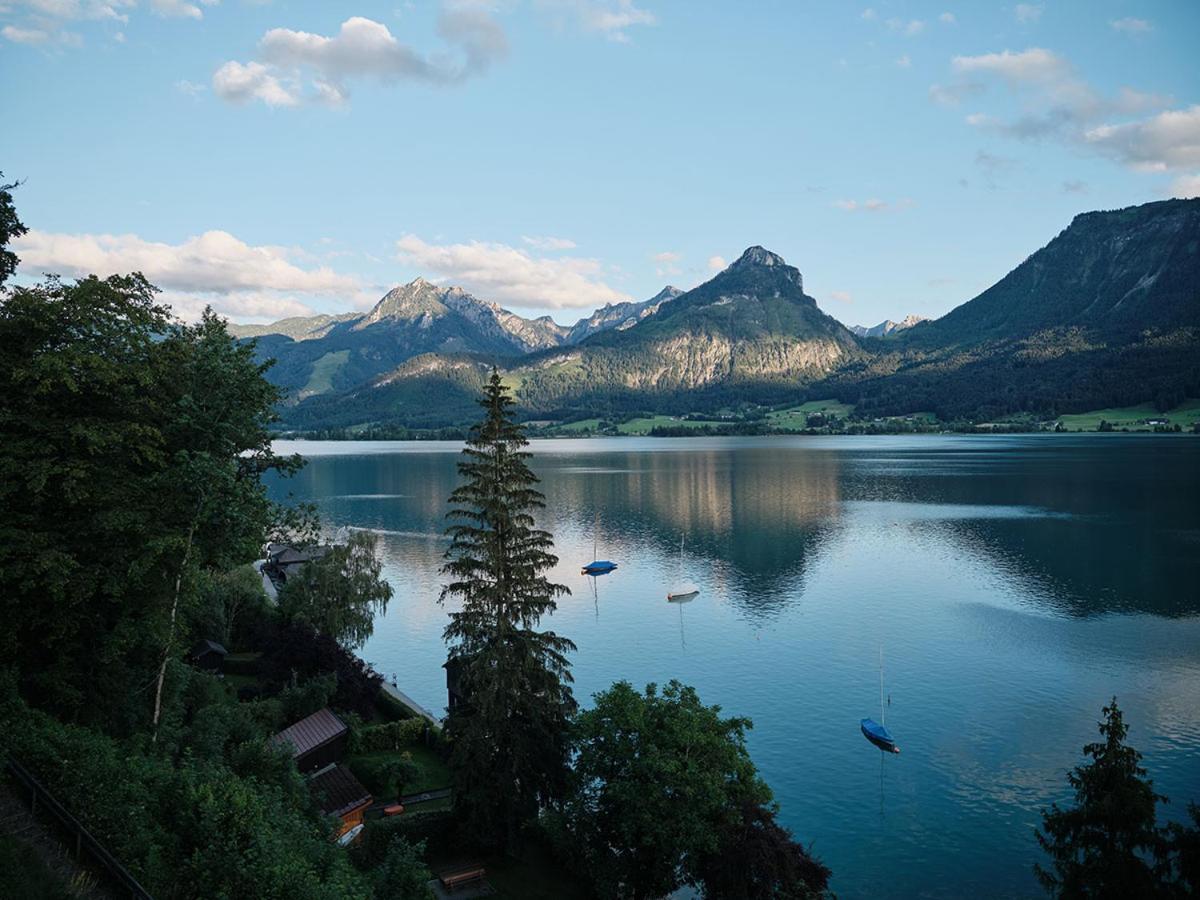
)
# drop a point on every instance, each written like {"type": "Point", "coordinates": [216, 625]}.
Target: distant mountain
{"type": "Point", "coordinates": [1106, 314]}
{"type": "Point", "coordinates": [751, 331]}
{"type": "Point", "coordinates": [886, 327]}
{"type": "Point", "coordinates": [619, 315]}
{"type": "Point", "coordinates": [326, 354]}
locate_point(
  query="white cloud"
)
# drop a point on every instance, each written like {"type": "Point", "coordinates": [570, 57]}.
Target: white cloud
{"type": "Point", "coordinates": [45, 21]}
{"type": "Point", "coordinates": [1130, 25]}
{"type": "Point", "coordinates": [1168, 140]}
{"type": "Point", "coordinates": [667, 263]}
{"type": "Point", "coordinates": [238, 280]}
{"type": "Point", "coordinates": [176, 9]}
{"type": "Point", "coordinates": [362, 48]}
{"type": "Point", "coordinates": [1028, 13]}
{"type": "Point", "coordinates": [610, 18]}
{"type": "Point", "coordinates": [667, 256]}
{"type": "Point", "coordinates": [25, 35]}
{"type": "Point", "coordinates": [904, 62]}
{"type": "Point", "coordinates": [1058, 105]}
{"type": "Point", "coordinates": [717, 263]}
{"type": "Point", "coordinates": [511, 275]}
{"type": "Point", "coordinates": [947, 18]}
{"type": "Point", "coordinates": [548, 243]}
{"type": "Point", "coordinates": [1186, 186]}
{"type": "Point", "coordinates": [239, 83]}
{"type": "Point", "coordinates": [869, 15]}
{"type": "Point", "coordinates": [1033, 65]}
{"type": "Point", "coordinates": [841, 296]}
{"type": "Point", "coordinates": [213, 262]}
{"type": "Point", "coordinates": [190, 88]}
{"type": "Point", "coordinates": [1074, 187]}
{"type": "Point", "coordinates": [874, 204]}
{"type": "Point", "coordinates": [911, 28]}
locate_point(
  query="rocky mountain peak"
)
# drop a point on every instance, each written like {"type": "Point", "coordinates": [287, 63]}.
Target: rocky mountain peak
{"type": "Point", "coordinates": [758, 256]}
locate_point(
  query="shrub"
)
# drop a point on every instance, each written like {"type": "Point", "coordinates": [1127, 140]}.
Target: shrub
{"type": "Point", "coordinates": [388, 736]}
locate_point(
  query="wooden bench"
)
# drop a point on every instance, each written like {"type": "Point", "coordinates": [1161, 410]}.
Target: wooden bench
{"type": "Point", "coordinates": [456, 878]}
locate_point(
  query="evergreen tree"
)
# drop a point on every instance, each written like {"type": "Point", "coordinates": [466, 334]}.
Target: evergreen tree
{"type": "Point", "coordinates": [509, 737]}
{"type": "Point", "coordinates": [1107, 844]}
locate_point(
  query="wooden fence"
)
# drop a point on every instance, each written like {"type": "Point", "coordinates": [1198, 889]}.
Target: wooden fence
{"type": "Point", "coordinates": [41, 799]}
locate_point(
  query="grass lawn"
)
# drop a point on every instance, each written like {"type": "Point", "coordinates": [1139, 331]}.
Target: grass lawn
{"type": "Point", "coordinates": [796, 417]}
{"type": "Point", "coordinates": [643, 426]}
{"type": "Point", "coordinates": [321, 379]}
{"type": "Point", "coordinates": [576, 427]}
{"type": "Point", "coordinates": [370, 769]}
{"type": "Point", "coordinates": [1185, 414]}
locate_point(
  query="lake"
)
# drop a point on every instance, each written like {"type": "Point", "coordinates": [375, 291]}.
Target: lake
{"type": "Point", "coordinates": [1013, 585]}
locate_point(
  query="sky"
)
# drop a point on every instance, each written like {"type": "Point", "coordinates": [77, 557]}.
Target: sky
{"type": "Point", "coordinates": [273, 158]}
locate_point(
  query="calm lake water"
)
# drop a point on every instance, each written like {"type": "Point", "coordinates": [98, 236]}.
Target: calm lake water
{"type": "Point", "coordinates": [1014, 585]}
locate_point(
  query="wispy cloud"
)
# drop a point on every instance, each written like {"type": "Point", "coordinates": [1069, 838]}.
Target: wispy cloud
{"type": "Point", "coordinates": [1028, 13]}
{"type": "Point", "coordinates": [874, 204]}
{"type": "Point", "coordinates": [548, 243]}
{"type": "Point", "coordinates": [1130, 25]}
{"type": "Point", "coordinates": [1131, 127]}
{"type": "Point", "coordinates": [511, 275]}
{"type": "Point", "coordinates": [610, 18]}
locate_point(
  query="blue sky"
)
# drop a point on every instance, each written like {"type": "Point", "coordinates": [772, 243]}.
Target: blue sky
{"type": "Point", "coordinates": [273, 158]}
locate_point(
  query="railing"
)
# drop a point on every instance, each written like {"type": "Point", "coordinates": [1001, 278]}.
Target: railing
{"type": "Point", "coordinates": [117, 874]}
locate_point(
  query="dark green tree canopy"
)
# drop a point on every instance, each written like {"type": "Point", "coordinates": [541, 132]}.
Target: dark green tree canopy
{"type": "Point", "coordinates": [665, 794]}
{"type": "Point", "coordinates": [10, 227]}
{"type": "Point", "coordinates": [1107, 844]}
{"type": "Point", "coordinates": [510, 737]}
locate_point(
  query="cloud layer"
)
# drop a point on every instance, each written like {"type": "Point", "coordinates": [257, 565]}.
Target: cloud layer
{"type": "Point", "coordinates": [238, 279]}
{"type": "Point", "coordinates": [512, 276]}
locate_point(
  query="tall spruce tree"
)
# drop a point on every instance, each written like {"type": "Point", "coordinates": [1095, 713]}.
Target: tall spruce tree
{"type": "Point", "coordinates": [510, 735]}
{"type": "Point", "coordinates": [1107, 845]}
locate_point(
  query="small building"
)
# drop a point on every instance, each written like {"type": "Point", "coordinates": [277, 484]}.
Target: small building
{"type": "Point", "coordinates": [285, 561]}
{"type": "Point", "coordinates": [316, 740]}
{"type": "Point", "coordinates": [338, 793]}
{"type": "Point", "coordinates": [208, 655]}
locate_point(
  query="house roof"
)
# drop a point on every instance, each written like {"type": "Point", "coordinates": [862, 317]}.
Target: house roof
{"type": "Point", "coordinates": [337, 791]}
{"type": "Point", "coordinates": [207, 646]}
{"type": "Point", "coordinates": [288, 554]}
{"type": "Point", "coordinates": [311, 732]}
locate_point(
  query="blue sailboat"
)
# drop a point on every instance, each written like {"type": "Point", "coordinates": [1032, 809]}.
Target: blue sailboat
{"type": "Point", "coordinates": [876, 732]}
{"type": "Point", "coordinates": [597, 566]}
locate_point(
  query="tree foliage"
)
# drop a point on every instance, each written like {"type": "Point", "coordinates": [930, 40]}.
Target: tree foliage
{"type": "Point", "coordinates": [665, 794]}
{"type": "Point", "coordinates": [341, 593]}
{"type": "Point", "coordinates": [131, 452]}
{"type": "Point", "coordinates": [1108, 843]}
{"type": "Point", "coordinates": [10, 227]}
{"type": "Point", "coordinates": [509, 739]}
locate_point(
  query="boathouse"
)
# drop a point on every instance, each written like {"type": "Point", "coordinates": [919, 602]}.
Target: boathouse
{"type": "Point", "coordinates": [338, 793]}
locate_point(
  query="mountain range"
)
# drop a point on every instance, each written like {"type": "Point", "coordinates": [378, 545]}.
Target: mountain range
{"type": "Point", "coordinates": [886, 327]}
{"type": "Point", "coordinates": [1107, 313]}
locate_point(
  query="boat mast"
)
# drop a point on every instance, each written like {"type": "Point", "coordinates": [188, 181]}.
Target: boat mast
{"type": "Point", "coordinates": [882, 713]}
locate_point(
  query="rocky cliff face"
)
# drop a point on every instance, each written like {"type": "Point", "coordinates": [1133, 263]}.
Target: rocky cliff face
{"type": "Point", "coordinates": [620, 315]}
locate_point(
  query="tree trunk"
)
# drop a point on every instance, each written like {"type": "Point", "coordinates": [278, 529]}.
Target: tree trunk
{"type": "Point", "coordinates": [162, 669]}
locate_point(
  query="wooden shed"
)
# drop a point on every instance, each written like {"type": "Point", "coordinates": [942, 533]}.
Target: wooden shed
{"type": "Point", "coordinates": [338, 793]}
{"type": "Point", "coordinates": [316, 740]}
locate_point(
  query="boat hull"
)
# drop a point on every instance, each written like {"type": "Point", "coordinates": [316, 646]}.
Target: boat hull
{"type": "Point", "coordinates": [878, 735]}
{"type": "Point", "coordinates": [599, 567]}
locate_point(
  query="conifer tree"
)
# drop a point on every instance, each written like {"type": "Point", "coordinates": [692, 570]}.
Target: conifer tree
{"type": "Point", "coordinates": [1107, 845]}
{"type": "Point", "coordinates": [509, 736]}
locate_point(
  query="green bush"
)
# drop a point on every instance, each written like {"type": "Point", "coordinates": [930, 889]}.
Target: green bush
{"type": "Point", "coordinates": [391, 708]}
{"type": "Point", "coordinates": [388, 736]}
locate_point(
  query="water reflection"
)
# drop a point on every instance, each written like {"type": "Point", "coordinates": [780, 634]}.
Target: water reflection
{"type": "Point", "coordinates": [989, 567]}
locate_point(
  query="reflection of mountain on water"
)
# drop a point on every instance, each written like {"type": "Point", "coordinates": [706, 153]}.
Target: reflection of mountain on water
{"type": "Point", "coordinates": [755, 516]}
{"type": "Point", "coordinates": [1097, 533]}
